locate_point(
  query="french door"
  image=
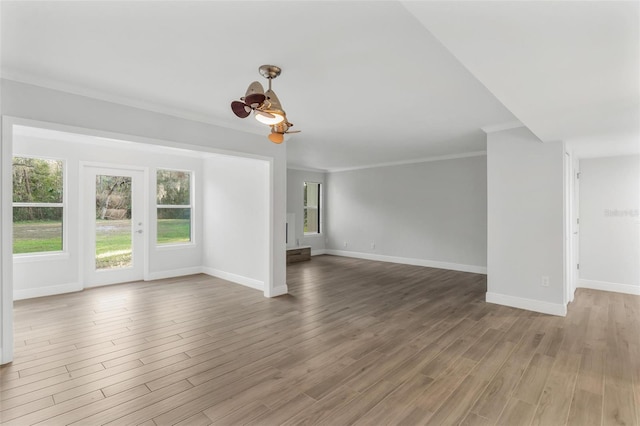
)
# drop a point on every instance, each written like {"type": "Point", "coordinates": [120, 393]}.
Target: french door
{"type": "Point", "coordinates": [114, 225]}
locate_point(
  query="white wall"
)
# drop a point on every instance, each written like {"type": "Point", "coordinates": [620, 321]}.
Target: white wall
{"type": "Point", "coordinates": [610, 224]}
{"type": "Point", "coordinates": [236, 209]}
{"type": "Point", "coordinates": [61, 273]}
{"type": "Point", "coordinates": [525, 235]}
{"type": "Point", "coordinates": [295, 199]}
{"type": "Point", "coordinates": [431, 213]}
{"type": "Point", "coordinates": [29, 102]}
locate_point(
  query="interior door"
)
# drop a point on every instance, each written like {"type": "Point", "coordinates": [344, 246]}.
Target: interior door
{"type": "Point", "coordinates": [114, 218]}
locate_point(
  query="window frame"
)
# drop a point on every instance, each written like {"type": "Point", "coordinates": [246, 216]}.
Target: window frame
{"type": "Point", "coordinates": [318, 208]}
{"type": "Point", "coordinates": [189, 206]}
{"type": "Point", "coordinates": [44, 255]}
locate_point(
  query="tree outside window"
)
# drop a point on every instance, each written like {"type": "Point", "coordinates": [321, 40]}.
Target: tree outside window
{"type": "Point", "coordinates": [38, 205]}
{"type": "Point", "coordinates": [173, 200]}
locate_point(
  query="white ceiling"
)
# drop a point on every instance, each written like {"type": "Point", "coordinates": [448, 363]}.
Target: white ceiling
{"type": "Point", "coordinates": [569, 70]}
{"type": "Point", "coordinates": [366, 82]}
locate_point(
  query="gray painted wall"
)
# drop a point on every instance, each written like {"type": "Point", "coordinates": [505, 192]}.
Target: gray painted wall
{"type": "Point", "coordinates": [428, 213]}
{"type": "Point", "coordinates": [525, 221]}
{"type": "Point", "coordinates": [609, 221]}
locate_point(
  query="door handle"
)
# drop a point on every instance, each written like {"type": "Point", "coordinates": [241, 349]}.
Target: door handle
{"type": "Point", "coordinates": [139, 231]}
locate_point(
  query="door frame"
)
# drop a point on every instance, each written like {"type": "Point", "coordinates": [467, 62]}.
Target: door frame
{"type": "Point", "coordinates": [6, 242]}
{"type": "Point", "coordinates": [83, 242]}
{"type": "Point", "coordinates": [571, 227]}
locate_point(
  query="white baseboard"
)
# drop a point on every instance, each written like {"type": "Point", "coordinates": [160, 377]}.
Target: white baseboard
{"type": "Point", "coordinates": [277, 291]}
{"type": "Point", "coordinates": [318, 252]}
{"type": "Point", "coordinates": [527, 304]}
{"type": "Point", "coordinates": [607, 286]}
{"type": "Point", "coordinates": [238, 279]}
{"type": "Point", "coordinates": [31, 293]}
{"type": "Point", "coordinates": [73, 287]}
{"type": "Point", "coordinates": [174, 273]}
{"type": "Point", "coordinates": [411, 261]}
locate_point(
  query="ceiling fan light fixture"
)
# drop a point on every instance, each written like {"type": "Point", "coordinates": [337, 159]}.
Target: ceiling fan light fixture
{"type": "Point", "coordinates": [277, 117]}
{"type": "Point", "coordinates": [272, 106]}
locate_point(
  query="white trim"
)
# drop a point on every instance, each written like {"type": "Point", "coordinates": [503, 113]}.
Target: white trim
{"type": "Point", "coordinates": [414, 161]}
{"type": "Point", "coordinates": [527, 304]}
{"type": "Point", "coordinates": [607, 286]}
{"type": "Point", "coordinates": [318, 252]}
{"type": "Point", "coordinates": [493, 128]}
{"type": "Point", "coordinates": [410, 261]}
{"type": "Point", "coordinates": [6, 242]}
{"type": "Point", "coordinates": [270, 194]}
{"type": "Point", "coordinates": [42, 256]}
{"type": "Point", "coordinates": [305, 169]}
{"type": "Point", "coordinates": [173, 273]}
{"type": "Point", "coordinates": [238, 279]}
{"type": "Point", "coordinates": [174, 246]}
{"type": "Point", "coordinates": [278, 291]}
{"type": "Point", "coordinates": [35, 205]}
{"type": "Point", "coordinates": [31, 293]}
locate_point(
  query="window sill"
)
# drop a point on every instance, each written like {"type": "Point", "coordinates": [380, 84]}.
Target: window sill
{"type": "Point", "coordinates": [40, 257]}
{"type": "Point", "coordinates": [175, 246]}
{"type": "Point", "coordinates": [313, 234]}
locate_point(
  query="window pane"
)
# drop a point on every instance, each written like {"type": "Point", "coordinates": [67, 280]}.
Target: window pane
{"type": "Point", "coordinates": [311, 221]}
{"type": "Point", "coordinates": [37, 180]}
{"type": "Point", "coordinates": [173, 187]}
{"type": "Point", "coordinates": [312, 190]}
{"type": "Point", "coordinates": [37, 229]}
{"type": "Point", "coordinates": [311, 208]}
{"type": "Point", "coordinates": [174, 225]}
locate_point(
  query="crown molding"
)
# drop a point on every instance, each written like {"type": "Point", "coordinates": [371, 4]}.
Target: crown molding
{"type": "Point", "coordinates": [305, 169]}
{"type": "Point", "coordinates": [413, 161]}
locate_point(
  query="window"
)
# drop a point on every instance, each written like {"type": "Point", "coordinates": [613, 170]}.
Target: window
{"type": "Point", "coordinates": [38, 205]}
{"type": "Point", "coordinates": [311, 208]}
{"type": "Point", "coordinates": [173, 199]}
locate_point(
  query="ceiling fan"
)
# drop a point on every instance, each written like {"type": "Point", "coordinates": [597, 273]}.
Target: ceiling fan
{"type": "Point", "coordinates": [279, 130]}
{"type": "Point", "coordinates": [265, 105]}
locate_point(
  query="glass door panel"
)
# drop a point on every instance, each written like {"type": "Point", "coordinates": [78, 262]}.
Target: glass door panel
{"type": "Point", "coordinates": [114, 225]}
{"type": "Point", "coordinates": [113, 222]}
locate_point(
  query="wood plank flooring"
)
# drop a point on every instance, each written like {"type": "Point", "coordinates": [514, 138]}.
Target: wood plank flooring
{"type": "Point", "coordinates": [355, 342]}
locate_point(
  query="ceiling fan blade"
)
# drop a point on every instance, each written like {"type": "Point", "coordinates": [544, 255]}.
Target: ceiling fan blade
{"type": "Point", "coordinates": [276, 137]}
{"type": "Point", "coordinates": [254, 100]}
{"type": "Point", "coordinates": [265, 113]}
{"type": "Point", "coordinates": [240, 109]}
{"type": "Point", "coordinates": [293, 131]}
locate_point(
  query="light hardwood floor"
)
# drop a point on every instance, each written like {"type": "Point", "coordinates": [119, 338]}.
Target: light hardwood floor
{"type": "Point", "coordinates": [355, 342]}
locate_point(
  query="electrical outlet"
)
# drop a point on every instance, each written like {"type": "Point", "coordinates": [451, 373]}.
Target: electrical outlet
{"type": "Point", "coordinates": [545, 281]}
{"type": "Point", "coordinates": [346, 244]}
{"type": "Point", "coordinates": [373, 245]}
